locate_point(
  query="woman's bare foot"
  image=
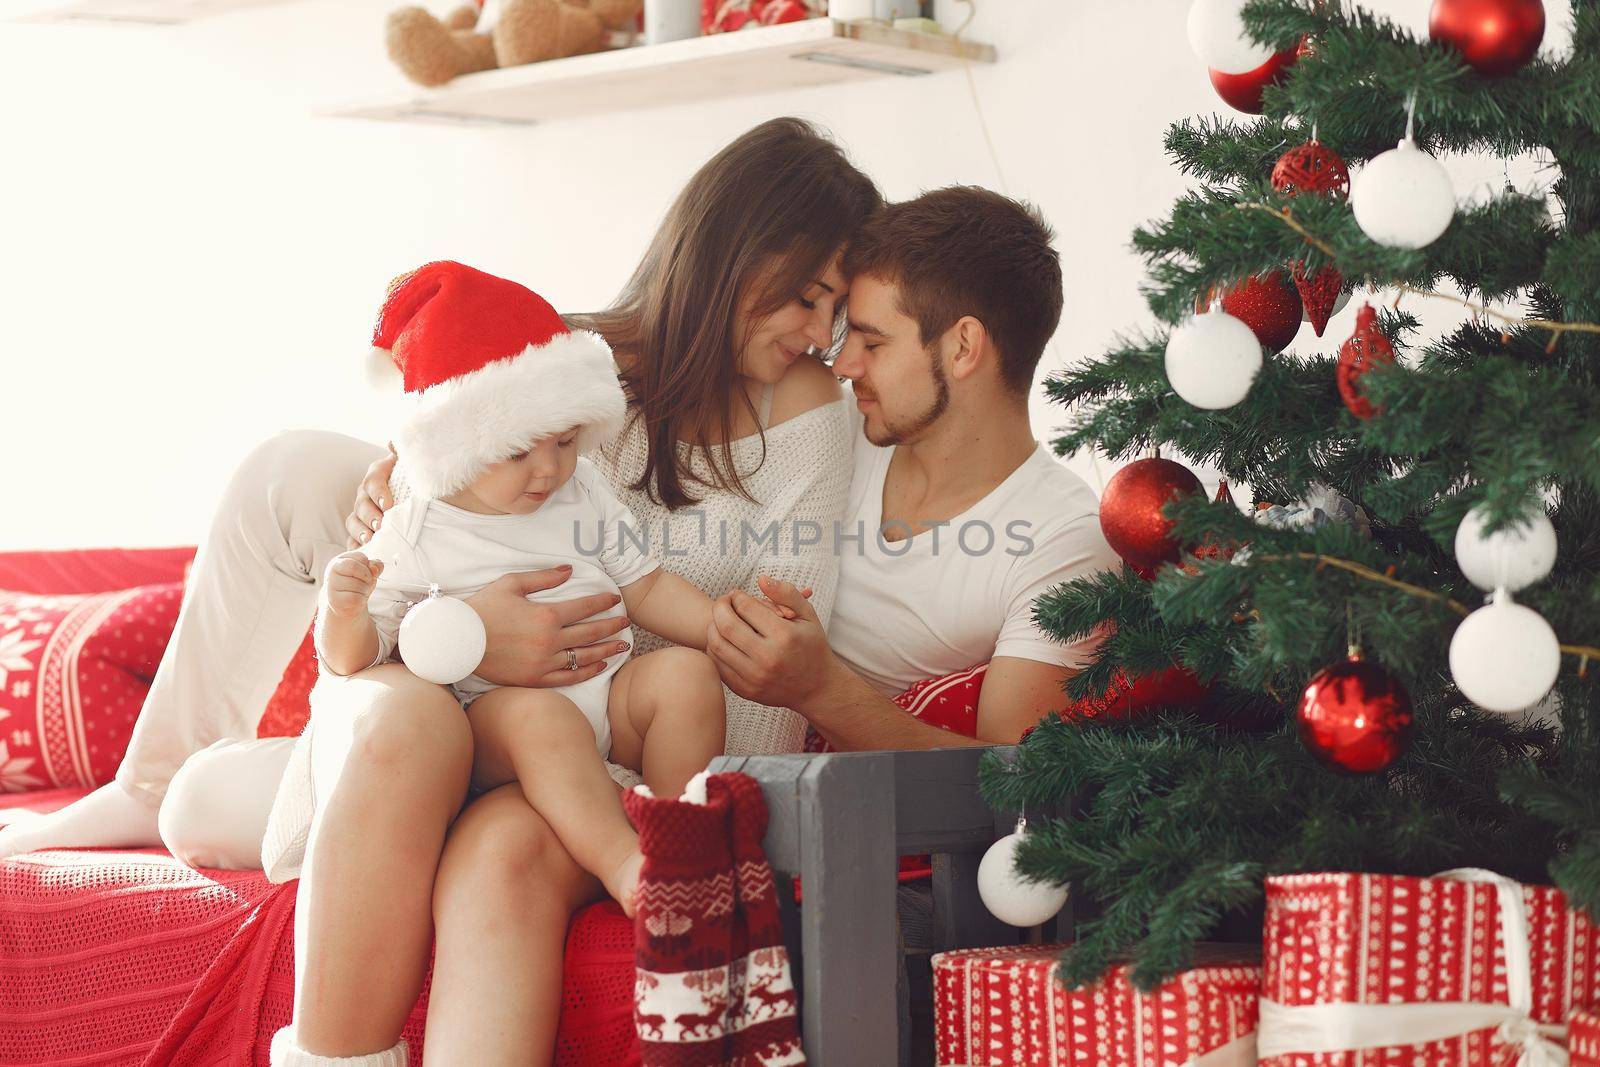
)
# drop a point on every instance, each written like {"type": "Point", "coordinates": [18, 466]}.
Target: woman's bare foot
{"type": "Point", "coordinates": [623, 885]}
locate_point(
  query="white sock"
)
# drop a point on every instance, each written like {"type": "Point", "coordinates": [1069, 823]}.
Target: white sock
{"type": "Point", "coordinates": [108, 817]}
{"type": "Point", "coordinates": [285, 1053]}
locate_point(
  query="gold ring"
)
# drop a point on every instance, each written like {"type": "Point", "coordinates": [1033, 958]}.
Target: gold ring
{"type": "Point", "coordinates": [572, 660]}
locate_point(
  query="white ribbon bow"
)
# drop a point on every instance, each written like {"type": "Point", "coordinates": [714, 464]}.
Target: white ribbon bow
{"type": "Point", "coordinates": [1350, 1027]}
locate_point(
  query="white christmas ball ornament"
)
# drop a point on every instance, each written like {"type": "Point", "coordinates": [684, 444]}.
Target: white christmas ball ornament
{"type": "Point", "coordinates": [1403, 198]}
{"type": "Point", "coordinates": [1218, 37]}
{"type": "Point", "coordinates": [1212, 360]}
{"type": "Point", "coordinates": [1505, 657]}
{"type": "Point", "coordinates": [1512, 558]}
{"type": "Point", "coordinates": [1007, 896]}
{"type": "Point", "coordinates": [442, 639]}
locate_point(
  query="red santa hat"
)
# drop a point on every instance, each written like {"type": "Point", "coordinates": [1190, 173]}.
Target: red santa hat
{"type": "Point", "coordinates": [488, 367]}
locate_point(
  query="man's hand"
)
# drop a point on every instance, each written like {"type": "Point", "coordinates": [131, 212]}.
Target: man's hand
{"type": "Point", "coordinates": [764, 657]}
{"type": "Point", "coordinates": [372, 500]}
{"type": "Point", "coordinates": [528, 641]}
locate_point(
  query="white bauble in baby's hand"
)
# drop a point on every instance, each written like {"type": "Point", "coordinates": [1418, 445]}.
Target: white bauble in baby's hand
{"type": "Point", "coordinates": [442, 639]}
{"type": "Point", "coordinates": [1007, 896]}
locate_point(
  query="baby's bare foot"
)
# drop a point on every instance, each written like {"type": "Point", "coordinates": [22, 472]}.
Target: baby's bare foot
{"type": "Point", "coordinates": [623, 885]}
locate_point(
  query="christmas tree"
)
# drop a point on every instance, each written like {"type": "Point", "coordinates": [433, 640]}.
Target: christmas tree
{"type": "Point", "coordinates": [1174, 815]}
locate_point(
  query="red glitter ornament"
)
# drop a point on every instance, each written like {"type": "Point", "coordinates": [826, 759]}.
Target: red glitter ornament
{"type": "Point", "coordinates": [1366, 348]}
{"type": "Point", "coordinates": [1174, 687]}
{"type": "Point", "coordinates": [1130, 512]}
{"type": "Point", "coordinates": [1317, 169]}
{"type": "Point", "coordinates": [1355, 716]}
{"type": "Point", "coordinates": [1495, 37]}
{"type": "Point", "coordinates": [1268, 304]}
{"type": "Point", "coordinates": [1319, 293]}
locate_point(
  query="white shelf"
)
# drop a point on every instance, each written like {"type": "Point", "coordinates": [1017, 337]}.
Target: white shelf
{"type": "Point", "coordinates": [770, 59]}
{"type": "Point", "coordinates": [148, 12]}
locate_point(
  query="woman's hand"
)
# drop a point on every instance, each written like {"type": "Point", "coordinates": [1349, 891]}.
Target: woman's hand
{"type": "Point", "coordinates": [783, 611]}
{"type": "Point", "coordinates": [348, 583]}
{"type": "Point", "coordinates": [528, 641]}
{"type": "Point", "coordinates": [372, 500]}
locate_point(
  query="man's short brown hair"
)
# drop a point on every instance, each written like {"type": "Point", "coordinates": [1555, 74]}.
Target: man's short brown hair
{"type": "Point", "coordinates": [962, 251]}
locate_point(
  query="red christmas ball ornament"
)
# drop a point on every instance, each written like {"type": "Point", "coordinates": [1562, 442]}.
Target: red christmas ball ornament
{"type": "Point", "coordinates": [1495, 37]}
{"type": "Point", "coordinates": [1269, 305]}
{"type": "Point", "coordinates": [1317, 169]}
{"type": "Point", "coordinates": [1366, 348]}
{"type": "Point", "coordinates": [1130, 512]}
{"type": "Point", "coordinates": [1355, 716]}
{"type": "Point", "coordinates": [1242, 92]}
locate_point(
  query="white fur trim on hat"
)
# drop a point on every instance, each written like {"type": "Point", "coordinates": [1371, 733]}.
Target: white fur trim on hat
{"type": "Point", "coordinates": [458, 428]}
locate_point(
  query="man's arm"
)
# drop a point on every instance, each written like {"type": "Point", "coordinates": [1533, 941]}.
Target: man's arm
{"type": "Point", "coordinates": [853, 716]}
{"type": "Point", "coordinates": [790, 664]}
{"type": "Point", "coordinates": [1017, 693]}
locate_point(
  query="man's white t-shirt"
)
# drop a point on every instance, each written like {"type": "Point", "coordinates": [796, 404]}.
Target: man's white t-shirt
{"type": "Point", "coordinates": [961, 594]}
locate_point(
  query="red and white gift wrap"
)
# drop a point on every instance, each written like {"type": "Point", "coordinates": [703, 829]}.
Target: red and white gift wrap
{"type": "Point", "coordinates": [999, 1007]}
{"type": "Point", "coordinates": [1583, 1039]}
{"type": "Point", "coordinates": [1463, 969]}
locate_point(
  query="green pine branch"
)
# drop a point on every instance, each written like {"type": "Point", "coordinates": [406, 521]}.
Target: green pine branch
{"type": "Point", "coordinates": [1178, 814]}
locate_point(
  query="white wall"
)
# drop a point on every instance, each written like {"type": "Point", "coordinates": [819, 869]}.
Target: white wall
{"type": "Point", "coordinates": [192, 261]}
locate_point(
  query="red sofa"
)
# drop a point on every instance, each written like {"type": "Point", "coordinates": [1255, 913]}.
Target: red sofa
{"type": "Point", "coordinates": [128, 956]}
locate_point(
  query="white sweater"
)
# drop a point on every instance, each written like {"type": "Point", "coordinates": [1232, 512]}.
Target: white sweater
{"type": "Point", "coordinates": [803, 480]}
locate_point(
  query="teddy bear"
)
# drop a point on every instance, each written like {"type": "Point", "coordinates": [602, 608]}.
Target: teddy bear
{"type": "Point", "coordinates": [504, 33]}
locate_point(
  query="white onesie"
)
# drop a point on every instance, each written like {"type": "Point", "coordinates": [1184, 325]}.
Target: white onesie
{"type": "Point", "coordinates": [423, 542]}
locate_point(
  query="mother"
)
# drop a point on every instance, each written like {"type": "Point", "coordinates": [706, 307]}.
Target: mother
{"type": "Point", "coordinates": [710, 333]}
{"type": "Point", "coordinates": [733, 426]}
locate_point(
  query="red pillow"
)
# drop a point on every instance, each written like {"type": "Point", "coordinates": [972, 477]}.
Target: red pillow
{"type": "Point", "coordinates": [290, 705]}
{"type": "Point", "coordinates": [74, 671]}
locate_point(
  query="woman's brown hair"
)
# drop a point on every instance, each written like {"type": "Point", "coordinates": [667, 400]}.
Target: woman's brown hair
{"type": "Point", "coordinates": [783, 192]}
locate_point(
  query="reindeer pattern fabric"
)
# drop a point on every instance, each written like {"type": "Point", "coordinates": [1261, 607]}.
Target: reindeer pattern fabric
{"type": "Point", "coordinates": [714, 988]}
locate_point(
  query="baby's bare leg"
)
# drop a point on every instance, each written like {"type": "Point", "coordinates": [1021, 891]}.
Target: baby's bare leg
{"type": "Point", "coordinates": [666, 716]}
{"type": "Point", "coordinates": [541, 740]}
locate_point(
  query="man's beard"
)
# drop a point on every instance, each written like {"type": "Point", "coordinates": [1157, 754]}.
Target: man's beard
{"type": "Point", "coordinates": [899, 435]}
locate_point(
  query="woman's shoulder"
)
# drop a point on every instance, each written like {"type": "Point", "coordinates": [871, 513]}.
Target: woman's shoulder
{"type": "Point", "coordinates": [808, 385]}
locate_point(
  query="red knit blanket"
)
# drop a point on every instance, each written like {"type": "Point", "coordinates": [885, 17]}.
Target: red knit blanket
{"type": "Point", "coordinates": [130, 957]}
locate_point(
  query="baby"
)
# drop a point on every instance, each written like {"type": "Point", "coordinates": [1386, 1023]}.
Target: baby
{"type": "Point", "coordinates": [504, 399]}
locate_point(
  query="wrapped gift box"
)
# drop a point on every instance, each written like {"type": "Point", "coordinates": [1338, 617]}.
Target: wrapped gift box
{"type": "Point", "coordinates": [1337, 940]}
{"type": "Point", "coordinates": [1583, 1037]}
{"type": "Point", "coordinates": [1005, 1006]}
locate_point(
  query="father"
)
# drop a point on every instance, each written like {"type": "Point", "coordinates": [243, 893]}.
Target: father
{"type": "Point", "coordinates": [958, 519]}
